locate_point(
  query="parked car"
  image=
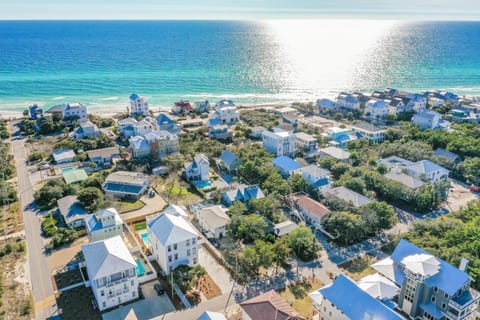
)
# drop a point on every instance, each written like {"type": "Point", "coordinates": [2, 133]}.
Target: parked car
{"type": "Point", "coordinates": [474, 188]}
{"type": "Point", "coordinates": [159, 289]}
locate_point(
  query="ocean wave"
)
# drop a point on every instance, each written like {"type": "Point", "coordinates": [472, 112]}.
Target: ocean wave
{"type": "Point", "coordinates": [109, 99]}
{"type": "Point", "coordinates": [58, 98]}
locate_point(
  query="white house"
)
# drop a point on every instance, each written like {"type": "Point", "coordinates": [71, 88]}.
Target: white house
{"type": "Point", "coordinates": [71, 110]}
{"type": "Point", "coordinates": [326, 104]}
{"type": "Point", "coordinates": [306, 142]}
{"type": "Point", "coordinates": [173, 241]}
{"type": "Point", "coordinates": [86, 129]}
{"type": "Point", "coordinates": [157, 144]}
{"type": "Point", "coordinates": [198, 169]}
{"type": "Point", "coordinates": [376, 109]}
{"type": "Point", "coordinates": [138, 105]}
{"type": "Point", "coordinates": [427, 170]}
{"type": "Point", "coordinates": [227, 112]}
{"type": "Point", "coordinates": [418, 102]}
{"type": "Point", "coordinates": [279, 142]}
{"type": "Point", "coordinates": [428, 119]}
{"type": "Point", "coordinates": [131, 127]}
{"type": "Point", "coordinates": [348, 101]}
{"type": "Point", "coordinates": [213, 221]}
{"type": "Point", "coordinates": [63, 156]}
{"type": "Point", "coordinates": [311, 211]}
{"type": "Point", "coordinates": [104, 224]}
{"type": "Point", "coordinates": [369, 131]}
{"type": "Point", "coordinates": [111, 272]}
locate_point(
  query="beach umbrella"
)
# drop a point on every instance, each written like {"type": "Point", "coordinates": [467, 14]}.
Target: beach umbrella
{"type": "Point", "coordinates": [378, 286]}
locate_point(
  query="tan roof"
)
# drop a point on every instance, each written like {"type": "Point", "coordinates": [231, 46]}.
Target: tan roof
{"type": "Point", "coordinates": [270, 306]}
{"type": "Point", "coordinates": [311, 205]}
{"type": "Point", "coordinates": [104, 152]}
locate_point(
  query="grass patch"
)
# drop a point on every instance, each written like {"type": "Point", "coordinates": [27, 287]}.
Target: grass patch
{"type": "Point", "coordinates": [359, 268]}
{"type": "Point", "coordinates": [297, 296]}
{"type": "Point", "coordinates": [140, 226]}
{"type": "Point", "coordinates": [126, 206]}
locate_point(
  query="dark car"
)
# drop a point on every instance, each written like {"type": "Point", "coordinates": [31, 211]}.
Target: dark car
{"type": "Point", "coordinates": [159, 289]}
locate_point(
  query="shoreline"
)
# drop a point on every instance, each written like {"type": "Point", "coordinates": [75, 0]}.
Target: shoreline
{"type": "Point", "coordinates": [113, 111]}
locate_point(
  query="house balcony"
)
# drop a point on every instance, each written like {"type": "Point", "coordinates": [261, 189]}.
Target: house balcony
{"type": "Point", "coordinates": [115, 283]}
{"type": "Point", "coordinates": [463, 306]}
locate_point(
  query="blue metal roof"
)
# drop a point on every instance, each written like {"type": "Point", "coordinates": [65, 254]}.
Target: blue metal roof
{"type": "Point", "coordinates": [213, 122]}
{"type": "Point", "coordinates": [355, 303]}
{"type": "Point", "coordinates": [164, 119]}
{"type": "Point", "coordinates": [449, 279]}
{"type": "Point", "coordinates": [228, 157]}
{"type": "Point", "coordinates": [286, 164]}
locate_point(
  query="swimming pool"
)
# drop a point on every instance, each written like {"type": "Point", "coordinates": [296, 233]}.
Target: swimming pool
{"type": "Point", "coordinates": [67, 169]}
{"type": "Point", "coordinates": [203, 184]}
{"type": "Point", "coordinates": [140, 268]}
{"type": "Point", "coordinates": [145, 238]}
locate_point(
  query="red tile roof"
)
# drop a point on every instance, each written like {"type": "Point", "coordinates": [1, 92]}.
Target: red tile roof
{"type": "Point", "coordinates": [270, 306]}
{"type": "Point", "coordinates": [311, 205]}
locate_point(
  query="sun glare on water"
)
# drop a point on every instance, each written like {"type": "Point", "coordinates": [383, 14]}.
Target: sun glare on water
{"type": "Point", "coordinates": [318, 55]}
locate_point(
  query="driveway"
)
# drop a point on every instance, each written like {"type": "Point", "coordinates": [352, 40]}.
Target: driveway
{"type": "Point", "coordinates": [215, 270]}
{"type": "Point", "coordinates": [150, 307]}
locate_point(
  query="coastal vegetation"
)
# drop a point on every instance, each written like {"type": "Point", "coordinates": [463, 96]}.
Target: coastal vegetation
{"type": "Point", "coordinates": [260, 117]}
{"type": "Point", "coordinates": [452, 237]}
{"type": "Point", "coordinates": [59, 235]}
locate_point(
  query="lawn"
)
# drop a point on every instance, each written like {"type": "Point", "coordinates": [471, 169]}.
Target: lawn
{"type": "Point", "coordinates": [140, 226]}
{"type": "Point", "coordinates": [126, 206]}
{"type": "Point", "coordinates": [297, 296]}
{"type": "Point", "coordinates": [359, 268]}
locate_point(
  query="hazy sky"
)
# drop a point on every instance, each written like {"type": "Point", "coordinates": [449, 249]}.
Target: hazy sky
{"type": "Point", "coordinates": [239, 9]}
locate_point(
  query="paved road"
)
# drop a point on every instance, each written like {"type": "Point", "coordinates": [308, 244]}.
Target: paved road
{"type": "Point", "coordinates": [41, 282]}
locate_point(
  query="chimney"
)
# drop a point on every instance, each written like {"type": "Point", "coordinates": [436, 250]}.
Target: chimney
{"type": "Point", "coordinates": [463, 264]}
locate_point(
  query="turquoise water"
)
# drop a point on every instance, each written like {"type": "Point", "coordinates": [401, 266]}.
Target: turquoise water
{"type": "Point", "coordinates": [203, 184]}
{"type": "Point", "coordinates": [145, 238]}
{"type": "Point", "coordinates": [67, 169]}
{"type": "Point", "coordinates": [140, 268]}
{"type": "Point", "coordinates": [100, 63]}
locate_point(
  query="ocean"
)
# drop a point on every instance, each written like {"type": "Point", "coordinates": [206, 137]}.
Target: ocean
{"type": "Point", "coordinates": [100, 63]}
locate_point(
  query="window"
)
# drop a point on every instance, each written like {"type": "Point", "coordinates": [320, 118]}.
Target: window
{"type": "Point", "coordinates": [134, 294]}
{"type": "Point", "coordinates": [169, 248]}
{"type": "Point", "coordinates": [104, 304]}
{"type": "Point", "coordinates": [446, 296]}
{"type": "Point", "coordinates": [193, 240]}
{"type": "Point", "coordinates": [410, 291]}
{"type": "Point", "coordinates": [102, 293]}
{"type": "Point", "coordinates": [188, 242]}
{"type": "Point", "coordinates": [188, 252]}
{"type": "Point", "coordinates": [132, 282]}
{"type": "Point", "coordinates": [435, 289]}
{"type": "Point", "coordinates": [194, 251]}
{"type": "Point", "coordinates": [170, 258]}
{"type": "Point", "coordinates": [433, 298]}
{"type": "Point", "coordinates": [444, 305]}
{"type": "Point", "coordinates": [174, 246]}
{"type": "Point", "coordinates": [176, 256]}
{"type": "Point", "coordinates": [194, 261]}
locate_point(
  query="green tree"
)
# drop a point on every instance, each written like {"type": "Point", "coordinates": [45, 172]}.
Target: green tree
{"type": "Point", "coordinates": [471, 169]}
{"type": "Point", "coordinates": [338, 169]}
{"type": "Point", "coordinates": [238, 208]}
{"type": "Point", "coordinates": [303, 243]}
{"type": "Point", "coordinates": [247, 228]}
{"type": "Point", "coordinates": [269, 207]}
{"type": "Point", "coordinates": [250, 261]}
{"type": "Point", "coordinates": [347, 227]}
{"type": "Point", "coordinates": [298, 183]}
{"type": "Point", "coordinates": [91, 198]}
{"type": "Point", "coordinates": [386, 216]}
